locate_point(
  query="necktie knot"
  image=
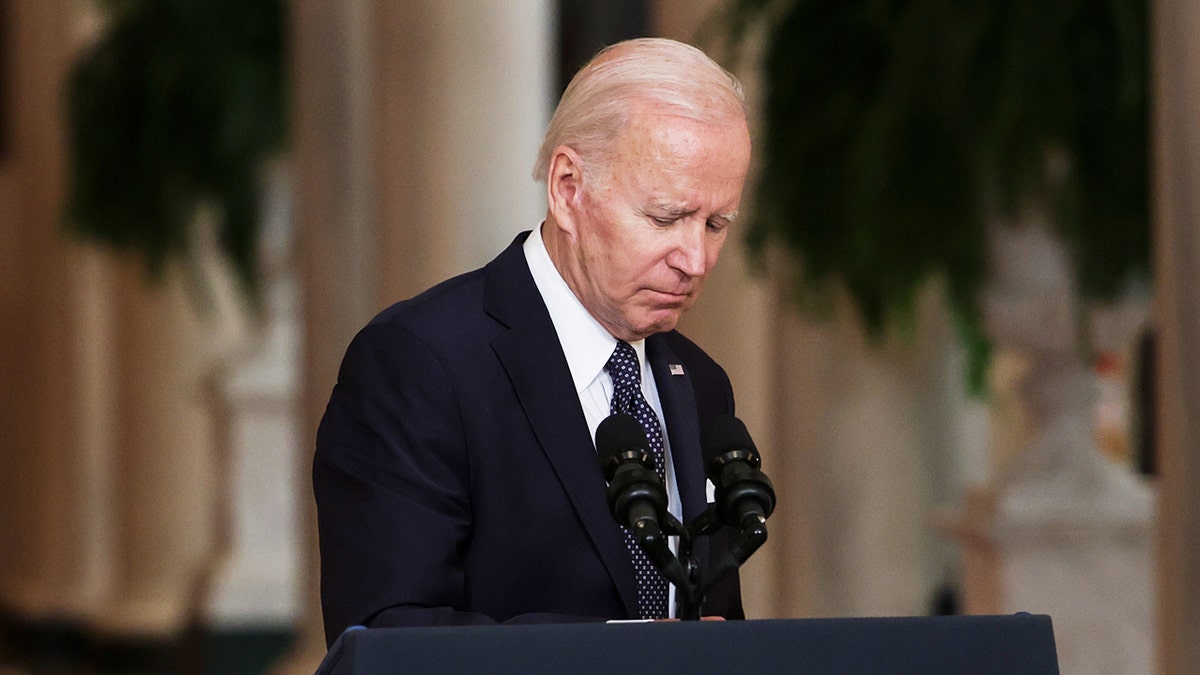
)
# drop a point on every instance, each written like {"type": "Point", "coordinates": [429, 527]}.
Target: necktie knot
{"type": "Point", "coordinates": [626, 375]}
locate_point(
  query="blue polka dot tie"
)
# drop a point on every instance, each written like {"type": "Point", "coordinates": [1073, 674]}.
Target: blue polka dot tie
{"type": "Point", "coordinates": [627, 397]}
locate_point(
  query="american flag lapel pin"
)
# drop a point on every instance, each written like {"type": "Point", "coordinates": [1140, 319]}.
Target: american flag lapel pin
{"type": "Point", "coordinates": [675, 368]}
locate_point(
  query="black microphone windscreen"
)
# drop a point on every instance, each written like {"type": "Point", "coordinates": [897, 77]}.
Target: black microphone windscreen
{"type": "Point", "coordinates": [618, 433]}
{"type": "Point", "coordinates": [721, 434]}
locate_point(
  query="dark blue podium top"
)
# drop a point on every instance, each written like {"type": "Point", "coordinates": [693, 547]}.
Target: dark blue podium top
{"type": "Point", "coordinates": [966, 644]}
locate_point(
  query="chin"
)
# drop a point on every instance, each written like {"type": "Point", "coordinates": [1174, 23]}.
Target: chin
{"type": "Point", "coordinates": [660, 326]}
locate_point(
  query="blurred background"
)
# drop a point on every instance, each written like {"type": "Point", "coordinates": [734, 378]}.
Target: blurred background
{"type": "Point", "coordinates": [962, 325]}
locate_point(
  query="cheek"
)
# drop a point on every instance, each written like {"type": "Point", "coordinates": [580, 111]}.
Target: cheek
{"type": "Point", "coordinates": [644, 260]}
{"type": "Point", "coordinates": [621, 256]}
{"type": "Point", "coordinates": [623, 273]}
{"type": "Point", "coordinates": [608, 271]}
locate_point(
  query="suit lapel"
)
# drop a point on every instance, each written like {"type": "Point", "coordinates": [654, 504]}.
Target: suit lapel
{"type": "Point", "coordinates": [683, 429]}
{"type": "Point", "coordinates": [683, 424]}
{"type": "Point", "coordinates": [532, 356]}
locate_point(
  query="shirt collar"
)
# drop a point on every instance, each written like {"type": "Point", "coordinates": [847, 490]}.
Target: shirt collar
{"type": "Point", "coordinates": [585, 343]}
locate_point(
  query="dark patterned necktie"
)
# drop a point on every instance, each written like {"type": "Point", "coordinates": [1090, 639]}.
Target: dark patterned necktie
{"type": "Point", "coordinates": [627, 397]}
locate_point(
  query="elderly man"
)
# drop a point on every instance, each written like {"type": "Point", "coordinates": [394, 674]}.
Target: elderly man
{"type": "Point", "coordinates": [455, 473]}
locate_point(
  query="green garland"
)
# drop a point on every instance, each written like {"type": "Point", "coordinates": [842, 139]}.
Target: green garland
{"type": "Point", "coordinates": [894, 130]}
{"type": "Point", "coordinates": [178, 105]}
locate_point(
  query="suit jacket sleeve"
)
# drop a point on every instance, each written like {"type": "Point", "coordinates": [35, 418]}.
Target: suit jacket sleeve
{"type": "Point", "coordinates": [390, 478]}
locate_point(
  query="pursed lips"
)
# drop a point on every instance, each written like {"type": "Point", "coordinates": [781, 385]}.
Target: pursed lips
{"type": "Point", "coordinates": [675, 296]}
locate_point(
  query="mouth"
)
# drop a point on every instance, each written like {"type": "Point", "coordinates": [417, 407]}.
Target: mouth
{"type": "Point", "coordinates": [672, 297]}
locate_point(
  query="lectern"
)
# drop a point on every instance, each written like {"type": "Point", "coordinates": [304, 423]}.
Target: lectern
{"type": "Point", "coordinates": [1021, 643]}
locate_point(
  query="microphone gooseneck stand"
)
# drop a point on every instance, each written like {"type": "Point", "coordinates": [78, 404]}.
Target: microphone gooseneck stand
{"type": "Point", "coordinates": [693, 584]}
{"type": "Point", "coordinates": [744, 500]}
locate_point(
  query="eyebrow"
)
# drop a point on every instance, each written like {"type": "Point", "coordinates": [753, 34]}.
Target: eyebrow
{"type": "Point", "coordinates": [679, 212]}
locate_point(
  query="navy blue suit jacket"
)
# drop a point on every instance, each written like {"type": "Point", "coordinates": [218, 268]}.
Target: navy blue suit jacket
{"type": "Point", "coordinates": [455, 477]}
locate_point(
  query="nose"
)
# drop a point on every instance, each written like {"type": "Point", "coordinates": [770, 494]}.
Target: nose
{"type": "Point", "coordinates": [690, 255]}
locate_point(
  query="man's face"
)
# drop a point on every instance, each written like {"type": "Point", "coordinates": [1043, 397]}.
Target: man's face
{"type": "Point", "coordinates": [648, 233]}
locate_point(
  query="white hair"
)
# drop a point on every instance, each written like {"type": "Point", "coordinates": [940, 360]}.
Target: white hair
{"type": "Point", "coordinates": [670, 76]}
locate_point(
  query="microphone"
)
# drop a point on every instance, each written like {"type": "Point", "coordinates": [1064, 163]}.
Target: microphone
{"type": "Point", "coordinates": [638, 500]}
{"type": "Point", "coordinates": [745, 496]}
{"type": "Point", "coordinates": [636, 495]}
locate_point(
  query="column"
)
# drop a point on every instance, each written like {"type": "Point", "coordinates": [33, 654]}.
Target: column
{"type": "Point", "coordinates": [108, 513]}
{"type": "Point", "coordinates": [335, 234]}
{"type": "Point", "coordinates": [416, 129]}
{"type": "Point", "coordinates": [1175, 39]}
{"type": "Point", "coordinates": [50, 566]}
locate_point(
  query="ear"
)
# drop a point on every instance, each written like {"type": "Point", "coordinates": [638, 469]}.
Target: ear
{"type": "Point", "coordinates": [564, 186]}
